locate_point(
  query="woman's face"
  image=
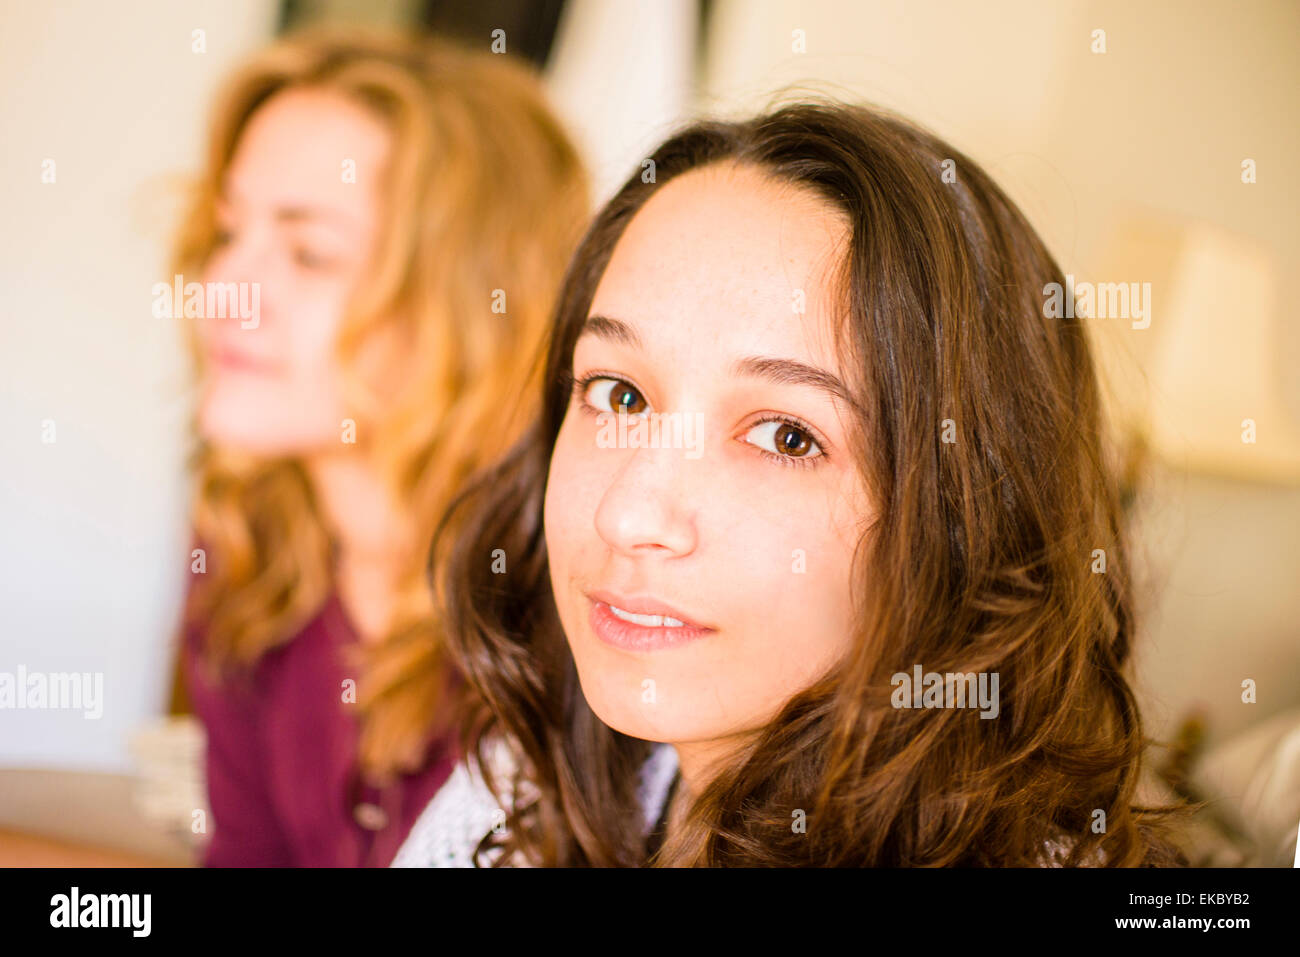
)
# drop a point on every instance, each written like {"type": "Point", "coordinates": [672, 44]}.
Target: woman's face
{"type": "Point", "coordinates": [728, 502]}
{"type": "Point", "coordinates": [292, 223]}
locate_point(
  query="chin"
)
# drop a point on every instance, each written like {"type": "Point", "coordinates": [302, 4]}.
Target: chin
{"type": "Point", "coordinates": [631, 719]}
{"type": "Point", "coordinates": [618, 694]}
{"type": "Point", "coordinates": [239, 437]}
{"type": "Point", "coordinates": [249, 445]}
{"type": "Point", "coordinates": [251, 430]}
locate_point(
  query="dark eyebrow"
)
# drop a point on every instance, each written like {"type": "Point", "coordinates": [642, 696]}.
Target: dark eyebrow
{"type": "Point", "coordinates": [778, 371]}
{"type": "Point", "coordinates": [790, 372]}
{"type": "Point", "coordinates": [611, 330]}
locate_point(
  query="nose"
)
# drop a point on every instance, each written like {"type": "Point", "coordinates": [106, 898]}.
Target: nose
{"type": "Point", "coordinates": [245, 259]}
{"type": "Point", "coordinates": [647, 510]}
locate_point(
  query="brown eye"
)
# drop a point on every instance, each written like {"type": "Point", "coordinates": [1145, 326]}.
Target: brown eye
{"type": "Point", "coordinates": [793, 441]}
{"type": "Point", "coordinates": [629, 399]}
{"type": "Point", "coordinates": [785, 439]}
{"type": "Point", "coordinates": [615, 395]}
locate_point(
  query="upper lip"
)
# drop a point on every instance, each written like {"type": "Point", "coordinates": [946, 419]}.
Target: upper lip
{"type": "Point", "coordinates": [646, 605]}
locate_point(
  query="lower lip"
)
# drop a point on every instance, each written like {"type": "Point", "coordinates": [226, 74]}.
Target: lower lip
{"type": "Point", "coordinates": [630, 636]}
{"type": "Point", "coordinates": [235, 362]}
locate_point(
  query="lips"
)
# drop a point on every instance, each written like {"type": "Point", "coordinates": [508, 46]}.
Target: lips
{"type": "Point", "coordinates": [649, 621]}
{"type": "Point", "coordinates": [641, 623]}
{"type": "Point", "coordinates": [233, 359]}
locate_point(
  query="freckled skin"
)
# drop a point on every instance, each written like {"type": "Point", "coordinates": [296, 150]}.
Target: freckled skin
{"type": "Point", "coordinates": [706, 274]}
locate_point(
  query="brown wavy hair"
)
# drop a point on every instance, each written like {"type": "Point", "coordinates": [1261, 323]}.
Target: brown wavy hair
{"type": "Point", "coordinates": [484, 191]}
{"type": "Point", "coordinates": [980, 560]}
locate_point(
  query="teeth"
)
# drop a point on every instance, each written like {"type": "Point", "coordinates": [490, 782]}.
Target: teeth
{"type": "Point", "coordinates": [648, 621]}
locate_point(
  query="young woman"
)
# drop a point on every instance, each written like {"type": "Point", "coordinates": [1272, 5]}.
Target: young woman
{"type": "Point", "coordinates": [883, 463]}
{"type": "Point", "coordinates": [399, 212]}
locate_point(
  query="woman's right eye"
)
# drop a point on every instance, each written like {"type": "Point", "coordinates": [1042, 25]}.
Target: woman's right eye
{"type": "Point", "coordinates": [613, 395]}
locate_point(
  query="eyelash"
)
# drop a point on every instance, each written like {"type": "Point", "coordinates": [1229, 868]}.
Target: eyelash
{"type": "Point", "coordinates": [796, 461]}
{"type": "Point", "coordinates": [301, 257]}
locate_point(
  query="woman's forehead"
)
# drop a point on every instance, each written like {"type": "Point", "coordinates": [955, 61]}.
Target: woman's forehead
{"type": "Point", "coordinates": [726, 254]}
{"type": "Point", "coordinates": [298, 145]}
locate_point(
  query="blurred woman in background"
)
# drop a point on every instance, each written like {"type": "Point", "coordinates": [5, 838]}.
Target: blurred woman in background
{"type": "Point", "coordinates": [399, 212]}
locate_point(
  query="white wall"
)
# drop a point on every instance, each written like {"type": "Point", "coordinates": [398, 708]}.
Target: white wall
{"type": "Point", "coordinates": [93, 551]}
{"type": "Point", "coordinates": [621, 76]}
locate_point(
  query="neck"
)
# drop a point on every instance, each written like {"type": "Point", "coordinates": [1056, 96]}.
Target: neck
{"type": "Point", "coordinates": [370, 536]}
{"type": "Point", "coordinates": [698, 762]}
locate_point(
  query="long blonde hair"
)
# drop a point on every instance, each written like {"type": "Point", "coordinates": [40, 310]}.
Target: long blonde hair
{"type": "Point", "coordinates": [484, 198]}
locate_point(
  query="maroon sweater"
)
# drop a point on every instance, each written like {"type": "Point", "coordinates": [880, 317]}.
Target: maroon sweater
{"type": "Point", "coordinates": [282, 776]}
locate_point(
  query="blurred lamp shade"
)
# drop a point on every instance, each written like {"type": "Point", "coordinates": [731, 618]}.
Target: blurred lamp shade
{"type": "Point", "coordinates": [1212, 400]}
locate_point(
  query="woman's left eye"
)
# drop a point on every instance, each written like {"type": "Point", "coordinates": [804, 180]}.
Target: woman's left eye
{"type": "Point", "coordinates": [785, 439]}
{"type": "Point", "coordinates": [310, 260]}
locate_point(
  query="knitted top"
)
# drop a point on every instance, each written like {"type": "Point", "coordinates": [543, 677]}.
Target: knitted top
{"type": "Point", "coordinates": [464, 811]}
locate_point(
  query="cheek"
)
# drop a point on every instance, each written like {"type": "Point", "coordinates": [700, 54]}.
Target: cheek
{"type": "Point", "coordinates": [272, 415]}
{"type": "Point", "coordinates": [575, 483]}
{"type": "Point", "coordinates": [783, 570]}
{"type": "Point", "coordinates": [311, 329]}
{"type": "Point", "coordinates": [298, 408]}
{"type": "Point", "coordinates": [800, 598]}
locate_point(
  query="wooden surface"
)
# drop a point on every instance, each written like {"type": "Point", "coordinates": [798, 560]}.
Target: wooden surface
{"type": "Point", "coordinates": [18, 849]}
{"type": "Point", "coordinates": [52, 818]}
